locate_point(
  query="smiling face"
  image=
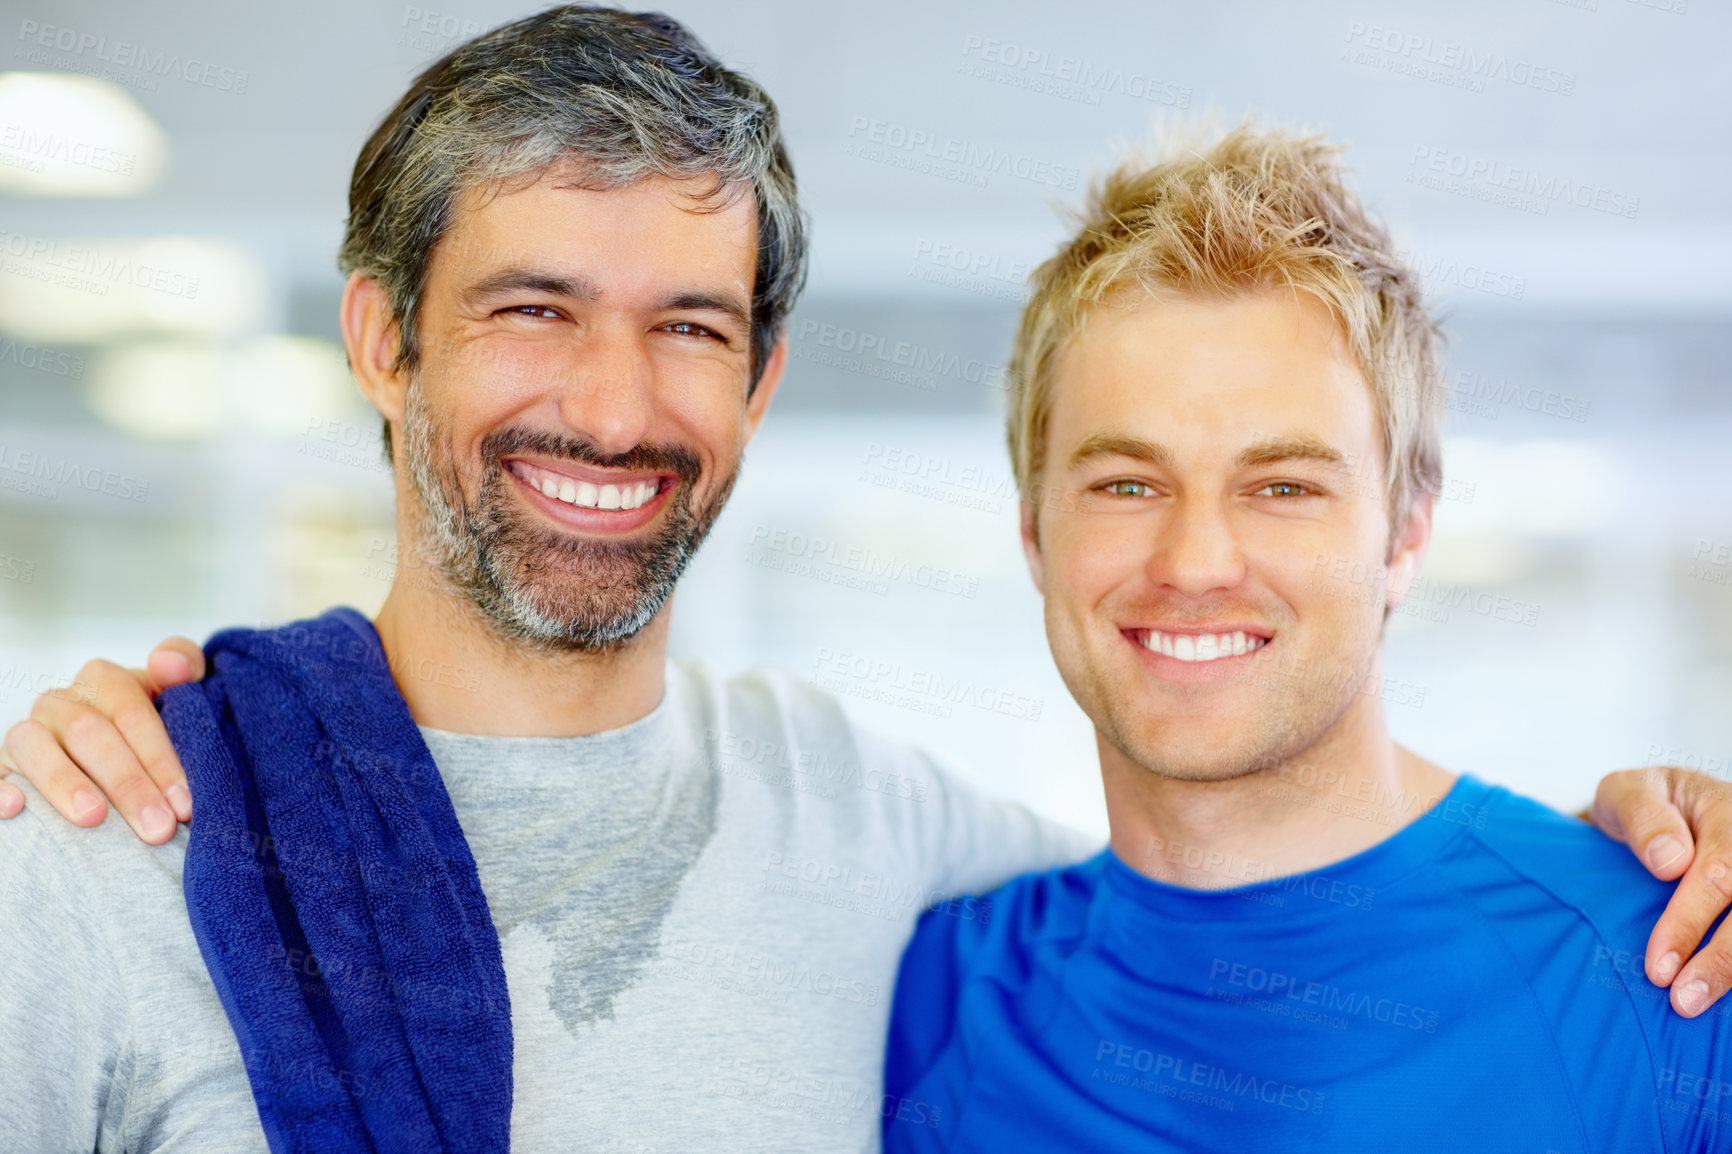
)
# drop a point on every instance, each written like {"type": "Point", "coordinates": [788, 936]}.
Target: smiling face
{"type": "Point", "coordinates": [581, 402]}
{"type": "Point", "coordinates": [1209, 465]}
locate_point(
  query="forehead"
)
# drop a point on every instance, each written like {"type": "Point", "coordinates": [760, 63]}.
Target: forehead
{"type": "Point", "coordinates": [1200, 373]}
{"type": "Point", "coordinates": [656, 227]}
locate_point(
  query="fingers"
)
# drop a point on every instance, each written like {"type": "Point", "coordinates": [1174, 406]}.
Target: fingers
{"type": "Point", "coordinates": [11, 797]}
{"type": "Point", "coordinates": [134, 715]}
{"type": "Point", "coordinates": [1698, 977]}
{"type": "Point", "coordinates": [100, 727]}
{"type": "Point", "coordinates": [1654, 812]}
{"type": "Point", "coordinates": [36, 753]}
{"type": "Point", "coordinates": [1701, 977]}
{"type": "Point", "coordinates": [172, 662]}
{"type": "Point", "coordinates": [1636, 806]}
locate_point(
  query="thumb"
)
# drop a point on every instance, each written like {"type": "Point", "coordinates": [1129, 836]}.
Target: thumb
{"type": "Point", "coordinates": [172, 662]}
{"type": "Point", "coordinates": [1636, 807]}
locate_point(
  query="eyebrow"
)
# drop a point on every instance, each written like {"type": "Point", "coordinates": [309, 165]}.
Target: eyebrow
{"type": "Point", "coordinates": [1266, 452]}
{"type": "Point", "coordinates": [579, 287]}
{"type": "Point", "coordinates": [711, 302]}
{"type": "Point", "coordinates": [1277, 449]}
{"type": "Point", "coordinates": [510, 280]}
{"type": "Point", "coordinates": [1120, 445]}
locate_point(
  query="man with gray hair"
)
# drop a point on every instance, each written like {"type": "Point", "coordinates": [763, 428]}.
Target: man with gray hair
{"type": "Point", "coordinates": [571, 251]}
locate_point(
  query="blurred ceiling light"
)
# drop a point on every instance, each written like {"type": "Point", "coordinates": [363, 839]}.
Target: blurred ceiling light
{"type": "Point", "coordinates": [1538, 487]}
{"type": "Point", "coordinates": [83, 291]}
{"type": "Point", "coordinates": [186, 389]}
{"type": "Point", "coordinates": [67, 135]}
{"type": "Point", "coordinates": [159, 388]}
{"type": "Point", "coordinates": [278, 384]}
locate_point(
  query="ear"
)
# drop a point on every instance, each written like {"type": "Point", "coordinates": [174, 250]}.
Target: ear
{"type": "Point", "coordinates": [370, 336]}
{"type": "Point", "coordinates": [1409, 547]}
{"type": "Point", "coordinates": [1030, 526]}
{"type": "Point", "coordinates": [759, 402]}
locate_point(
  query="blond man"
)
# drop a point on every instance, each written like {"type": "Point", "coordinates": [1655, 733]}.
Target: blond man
{"type": "Point", "coordinates": [1302, 936]}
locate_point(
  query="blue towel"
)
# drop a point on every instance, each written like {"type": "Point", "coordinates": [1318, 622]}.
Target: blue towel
{"type": "Point", "coordinates": [336, 902]}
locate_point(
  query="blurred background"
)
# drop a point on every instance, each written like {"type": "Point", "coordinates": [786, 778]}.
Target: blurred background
{"type": "Point", "coordinates": [181, 447]}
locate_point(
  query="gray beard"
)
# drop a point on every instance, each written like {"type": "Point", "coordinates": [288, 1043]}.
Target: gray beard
{"type": "Point", "coordinates": [535, 585]}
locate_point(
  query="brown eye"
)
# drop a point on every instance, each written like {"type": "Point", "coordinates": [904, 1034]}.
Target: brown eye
{"type": "Point", "coordinates": [690, 329]}
{"type": "Point", "coordinates": [1127, 488]}
{"type": "Point", "coordinates": [1284, 489]}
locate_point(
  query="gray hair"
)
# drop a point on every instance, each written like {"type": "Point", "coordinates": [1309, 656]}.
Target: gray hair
{"type": "Point", "coordinates": [628, 95]}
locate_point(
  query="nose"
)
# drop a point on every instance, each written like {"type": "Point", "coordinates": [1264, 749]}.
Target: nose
{"type": "Point", "coordinates": [1197, 553]}
{"type": "Point", "coordinates": [608, 395]}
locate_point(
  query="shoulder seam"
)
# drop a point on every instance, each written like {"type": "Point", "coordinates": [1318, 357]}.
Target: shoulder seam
{"type": "Point", "coordinates": [1599, 937]}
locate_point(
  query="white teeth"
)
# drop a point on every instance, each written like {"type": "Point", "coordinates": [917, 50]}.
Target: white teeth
{"type": "Point", "coordinates": [587, 496]}
{"type": "Point", "coordinates": [1202, 646]}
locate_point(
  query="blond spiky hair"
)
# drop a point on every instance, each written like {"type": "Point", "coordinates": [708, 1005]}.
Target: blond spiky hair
{"type": "Point", "coordinates": [1255, 210]}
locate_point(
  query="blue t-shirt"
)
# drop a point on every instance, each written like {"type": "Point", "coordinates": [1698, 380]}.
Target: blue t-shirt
{"type": "Point", "coordinates": [1473, 983]}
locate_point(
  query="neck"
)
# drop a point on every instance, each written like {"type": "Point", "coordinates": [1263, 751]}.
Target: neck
{"type": "Point", "coordinates": [458, 673]}
{"type": "Point", "coordinates": [1349, 790]}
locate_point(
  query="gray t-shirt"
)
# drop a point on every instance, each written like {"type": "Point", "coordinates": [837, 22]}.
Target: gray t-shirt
{"type": "Point", "coordinates": [701, 916]}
